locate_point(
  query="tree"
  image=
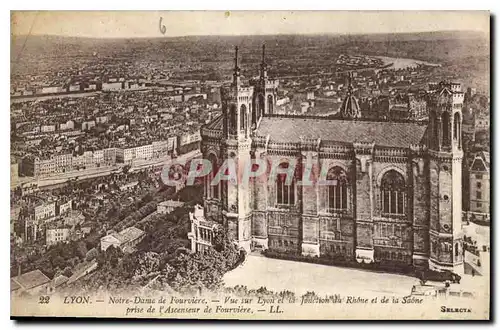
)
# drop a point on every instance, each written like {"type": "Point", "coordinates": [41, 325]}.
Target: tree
{"type": "Point", "coordinates": [59, 262]}
{"type": "Point", "coordinates": [81, 249]}
{"type": "Point", "coordinates": [67, 272]}
{"type": "Point", "coordinates": [91, 254]}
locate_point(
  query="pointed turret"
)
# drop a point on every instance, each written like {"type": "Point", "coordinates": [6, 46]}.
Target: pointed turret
{"type": "Point", "coordinates": [350, 107]}
{"type": "Point", "coordinates": [263, 64]}
{"type": "Point", "coordinates": [236, 74]}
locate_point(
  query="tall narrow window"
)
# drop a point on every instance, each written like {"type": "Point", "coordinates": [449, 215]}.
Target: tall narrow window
{"type": "Point", "coordinates": [393, 193]}
{"type": "Point", "coordinates": [243, 117]}
{"type": "Point", "coordinates": [456, 127]}
{"type": "Point", "coordinates": [435, 128]}
{"type": "Point", "coordinates": [270, 104]}
{"type": "Point", "coordinates": [255, 111]}
{"type": "Point", "coordinates": [233, 123]}
{"type": "Point", "coordinates": [285, 194]}
{"type": "Point", "coordinates": [213, 190]}
{"type": "Point", "coordinates": [261, 106]}
{"type": "Point", "coordinates": [336, 192]}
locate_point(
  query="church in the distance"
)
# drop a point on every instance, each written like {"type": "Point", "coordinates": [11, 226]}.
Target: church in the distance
{"type": "Point", "coordinates": [396, 197]}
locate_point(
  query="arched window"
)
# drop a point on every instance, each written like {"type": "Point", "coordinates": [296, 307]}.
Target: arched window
{"type": "Point", "coordinates": [431, 123]}
{"type": "Point", "coordinates": [270, 104]}
{"type": "Point", "coordinates": [254, 113]}
{"type": "Point", "coordinates": [336, 192]}
{"type": "Point", "coordinates": [285, 194]}
{"type": "Point", "coordinates": [435, 125]}
{"type": "Point", "coordinates": [393, 193]}
{"type": "Point", "coordinates": [213, 191]}
{"type": "Point", "coordinates": [243, 117]}
{"type": "Point", "coordinates": [232, 119]}
{"type": "Point", "coordinates": [445, 121]}
{"type": "Point", "coordinates": [456, 126]}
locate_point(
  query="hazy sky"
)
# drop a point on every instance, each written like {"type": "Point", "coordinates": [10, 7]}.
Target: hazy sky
{"type": "Point", "coordinates": [115, 24]}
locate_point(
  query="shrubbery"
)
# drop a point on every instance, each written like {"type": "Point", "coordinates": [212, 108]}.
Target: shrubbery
{"type": "Point", "coordinates": [263, 292]}
{"type": "Point", "coordinates": [164, 261]}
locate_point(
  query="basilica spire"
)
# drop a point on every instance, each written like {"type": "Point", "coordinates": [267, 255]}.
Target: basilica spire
{"type": "Point", "coordinates": [350, 107]}
{"type": "Point", "coordinates": [236, 74]}
{"type": "Point", "coordinates": [263, 64]}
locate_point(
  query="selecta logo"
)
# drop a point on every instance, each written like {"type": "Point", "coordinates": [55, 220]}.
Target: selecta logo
{"type": "Point", "coordinates": [287, 170]}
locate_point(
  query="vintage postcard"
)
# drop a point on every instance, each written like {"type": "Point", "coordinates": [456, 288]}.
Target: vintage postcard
{"type": "Point", "coordinates": [248, 165]}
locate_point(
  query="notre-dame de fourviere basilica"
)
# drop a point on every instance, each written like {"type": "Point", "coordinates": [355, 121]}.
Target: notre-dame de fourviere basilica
{"type": "Point", "coordinates": [396, 195]}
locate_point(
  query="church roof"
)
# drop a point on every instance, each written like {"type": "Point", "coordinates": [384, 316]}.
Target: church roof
{"type": "Point", "coordinates": [388, 134]}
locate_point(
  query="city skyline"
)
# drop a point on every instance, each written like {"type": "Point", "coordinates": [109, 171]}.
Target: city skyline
{"type": "Point", "coordinates": [146, 24]}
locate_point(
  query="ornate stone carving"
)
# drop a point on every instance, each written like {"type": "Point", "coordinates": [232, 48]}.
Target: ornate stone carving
{"type": "Point", "coordinates": [418, 167]}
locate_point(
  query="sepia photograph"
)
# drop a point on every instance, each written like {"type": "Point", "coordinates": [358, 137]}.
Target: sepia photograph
{"type": "Point", "coordinates": [250, 165]}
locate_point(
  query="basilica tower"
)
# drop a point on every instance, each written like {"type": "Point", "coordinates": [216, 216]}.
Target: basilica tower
{"type": "Point", "coordinates": [235, 150]}
{"type": "Point", "coordinates": [265, 95]}
{"type": "Point", "coordinates": [445, 174]}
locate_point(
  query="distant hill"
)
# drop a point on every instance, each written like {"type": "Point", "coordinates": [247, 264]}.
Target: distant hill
{"type": "Point", "coordinates": [456, 49]}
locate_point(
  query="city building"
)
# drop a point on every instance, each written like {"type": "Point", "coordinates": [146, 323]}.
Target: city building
{"type": "Point", "coordinates": [202, 230]}
{"type": "Point", "coordinates": [126, 240]}
{"type": "Point", "coordinates": [57, 234]}
{"type": "Point", "coordinates": [125, 155]}
{"type": "Point", "coordinates": [64, 162]}
{"type": "Point", "coordinates": [58, 283]}
{"type": "Point", "coordinates": [395, 187]}
{"type": "Point", "coordinates": [408, 107]}
{"type": "Point", "coordinates": [45, 211]}
{"type": "Point", "coordinates": [167, 207]}
{"type": "Point", "coordinates": [112, 86]}
{"type": "Point", "coordinates": [64, 207]}
{"type": "Point", "coordinates": [34, 282]}
{"type": "Point", "coordinates": [14, 171]}
{"type": "Point", "coordinates": [481, 122]}
{"type": "Point", "coordinates": [159, 149]}
{"type": "Point", "coordinates": [479, 199]}
{"type": "Point", "coordinates": [144, 152]}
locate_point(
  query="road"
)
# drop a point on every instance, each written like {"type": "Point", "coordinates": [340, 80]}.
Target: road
{"type": "Point", "coordinates": [300, 277]}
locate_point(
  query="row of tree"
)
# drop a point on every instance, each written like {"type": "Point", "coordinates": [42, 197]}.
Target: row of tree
{"type": "Point", "coordinates": [176, 267]}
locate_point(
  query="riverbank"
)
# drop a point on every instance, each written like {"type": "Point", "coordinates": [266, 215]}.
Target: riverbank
{"type": "Point", "coordinates": [399, 63]}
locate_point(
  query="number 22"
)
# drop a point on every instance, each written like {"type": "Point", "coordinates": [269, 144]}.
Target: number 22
{"type": "Point", "coordinates": [44, 300]}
